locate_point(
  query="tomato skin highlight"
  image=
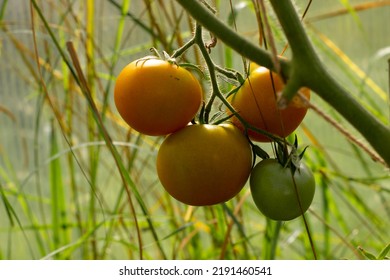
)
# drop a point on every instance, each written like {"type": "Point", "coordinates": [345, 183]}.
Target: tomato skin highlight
{"type": "Point", "coordinates": [274, 193]}
{"type": "Point", "coordinates": [204, 164]}
{"type": "Point", "coordinates": [156, 97]}
{"type": "Point", "coordinates": [256, 102]}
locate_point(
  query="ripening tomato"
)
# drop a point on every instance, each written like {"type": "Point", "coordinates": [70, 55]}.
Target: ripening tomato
{"type": "Point", "coordinates": [156, 97]}
{"type": "Point", "coordinates": [253, 66]}
{"type": "Point", "coordinates": [274, 189]}
{"type": "Point", "coordinates": [204, 164]}
{"type": "Point", "coordinates": [256, 102]}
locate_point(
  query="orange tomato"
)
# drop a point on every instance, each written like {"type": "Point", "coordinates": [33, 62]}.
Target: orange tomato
{"type": "Point", "coordinates": [253, 66]}
{"type": "Point", "coordinates": [156, 97]}
{"type": "Point", "coordinates": [256, 102]}
{"type": "Point", "coordinates": [204, 164]}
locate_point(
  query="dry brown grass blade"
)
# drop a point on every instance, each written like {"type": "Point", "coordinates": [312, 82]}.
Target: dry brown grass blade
{"type": "Point", "coordinates": [237, 209]}
{"type": "Point", "coordinates": [339, 235]}
{"type": "Point", "coordinates": [357, 8]}
{"type": "Point", "coordinates": [7, 113]}
{"type": "Point", "coordinates": [85, 88]}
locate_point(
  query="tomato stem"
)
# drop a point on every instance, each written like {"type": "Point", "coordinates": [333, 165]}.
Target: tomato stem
{"type": "Point", "coordinates": [216, 93]}
{"type": "Point", "coordinates": [183, 48]}
{"type": "Point", "coordinates": [211, 67]}
{"type": "Point", "coordinates": [204, 115]}
{"type": "Point", "coordinates": [312, 72]}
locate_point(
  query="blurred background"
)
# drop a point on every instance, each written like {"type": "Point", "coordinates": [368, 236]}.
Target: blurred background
{"type": "Point", "coordinates": [61, 190]}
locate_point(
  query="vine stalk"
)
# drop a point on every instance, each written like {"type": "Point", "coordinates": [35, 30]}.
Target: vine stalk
{"type": "Point", "coordinates": [197, 39]}
{"type": "Point", "coordinates": [305, 68]}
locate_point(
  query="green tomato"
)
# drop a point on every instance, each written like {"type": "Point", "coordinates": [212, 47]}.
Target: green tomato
{"type": "Point", "coordinates": [274, 190]}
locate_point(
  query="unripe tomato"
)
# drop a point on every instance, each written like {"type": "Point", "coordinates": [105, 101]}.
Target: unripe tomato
{"type": "Point", "coordinates": [256, 102]}
{"type": "Point", "coordinates": [274, 189]}
{"type": "Point", "coordinates": [204, 164]}
{"type": "Point", "coordinates": [156, 97]}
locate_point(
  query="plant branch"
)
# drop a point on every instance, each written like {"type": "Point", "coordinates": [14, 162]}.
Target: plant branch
{"type": "Point", "coordinates": [314, 75]}
{"type": "Point", "coordinates": [210, 65]}
{"type": "Point", "coordinates": [305, 65]}
{"type": "Point", "coordinates": [216, 93]}
{"type": "Point", "coordinates": [185, 47]}
{"type": "Point", "coordinates": [240, 44]}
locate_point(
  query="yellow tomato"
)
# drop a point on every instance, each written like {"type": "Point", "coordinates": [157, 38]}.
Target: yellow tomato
{"type": "Point", "coordinates": [256, 102]}
{"type": "Point", "coordinates": [204, 164]}
{"type": "Point", "coordinates": [156, 97]}
{"type": "Point", "coordinates": [253, 66]}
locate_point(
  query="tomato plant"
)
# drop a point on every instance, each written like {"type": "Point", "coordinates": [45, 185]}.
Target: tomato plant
{"type": "Point", "coordinates": [157, 97]}
{"type": "Point", "coordinates": [275, 189]}
{"type": "Point", "coordinates": [256, 102]}
{"type": "Point", "coordinates": [204, 164]}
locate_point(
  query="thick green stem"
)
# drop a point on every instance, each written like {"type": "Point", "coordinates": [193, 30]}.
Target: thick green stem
{"type": "Point", "coordinates": [240, 44]}
{"type": "Point", "coordinates": [314, 75]}
{"type": "Point", "coordinates": [311, 71]}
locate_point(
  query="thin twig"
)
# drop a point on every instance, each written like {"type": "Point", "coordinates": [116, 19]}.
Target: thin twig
{"type": "Point", "coordinates": [341, 129]}
{"type": "Point", "coordinates": [353, 249]}
{"type": "Point", "coordinates": [356, 8]}
{"type": "Point", "coordinates": [270, 38]}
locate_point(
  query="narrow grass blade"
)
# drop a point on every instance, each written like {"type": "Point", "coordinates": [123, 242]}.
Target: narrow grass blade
{"type": "Point", "coordinates": [368, 255]}
{"type": "Point", "coordinates": [11, 213]}
{"type": "Point", "coordinates": [270, 239]}
{"type": "Point", "coordinates": [126, 179]}
{"type": "Point", "coordinates": [117, 46]}
{"type": "Point", "coordinates": [135, 20]}
{"type": "Point", "coordinates": [8, 207]}
{"type": "Point", "coordinates": [58, 196]}
{"type": "Point", "coordinates": [384, 252]}
{"type": "Point", "coordinates": [247, 242]}
{"type": "Point", "coordinates": [2, 9]}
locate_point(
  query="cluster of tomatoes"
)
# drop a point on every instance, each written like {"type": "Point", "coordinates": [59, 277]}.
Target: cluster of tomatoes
{"type": "Point", "coordinates": [207, 164]}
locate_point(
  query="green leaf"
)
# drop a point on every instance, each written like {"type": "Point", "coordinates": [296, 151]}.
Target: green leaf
{"type": "Point", "coordinates": [281, 154]}
{"type": "Point", "coordinates": [260, 152]}
{"type": "Point", "coordinates": [384, 252]}
{"type": "Point", "coordinates": [303, 152]}
{"type": "Point", "coordinates": [367, 254]}
{"type": "Point", "coordinates": [296, 142]}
